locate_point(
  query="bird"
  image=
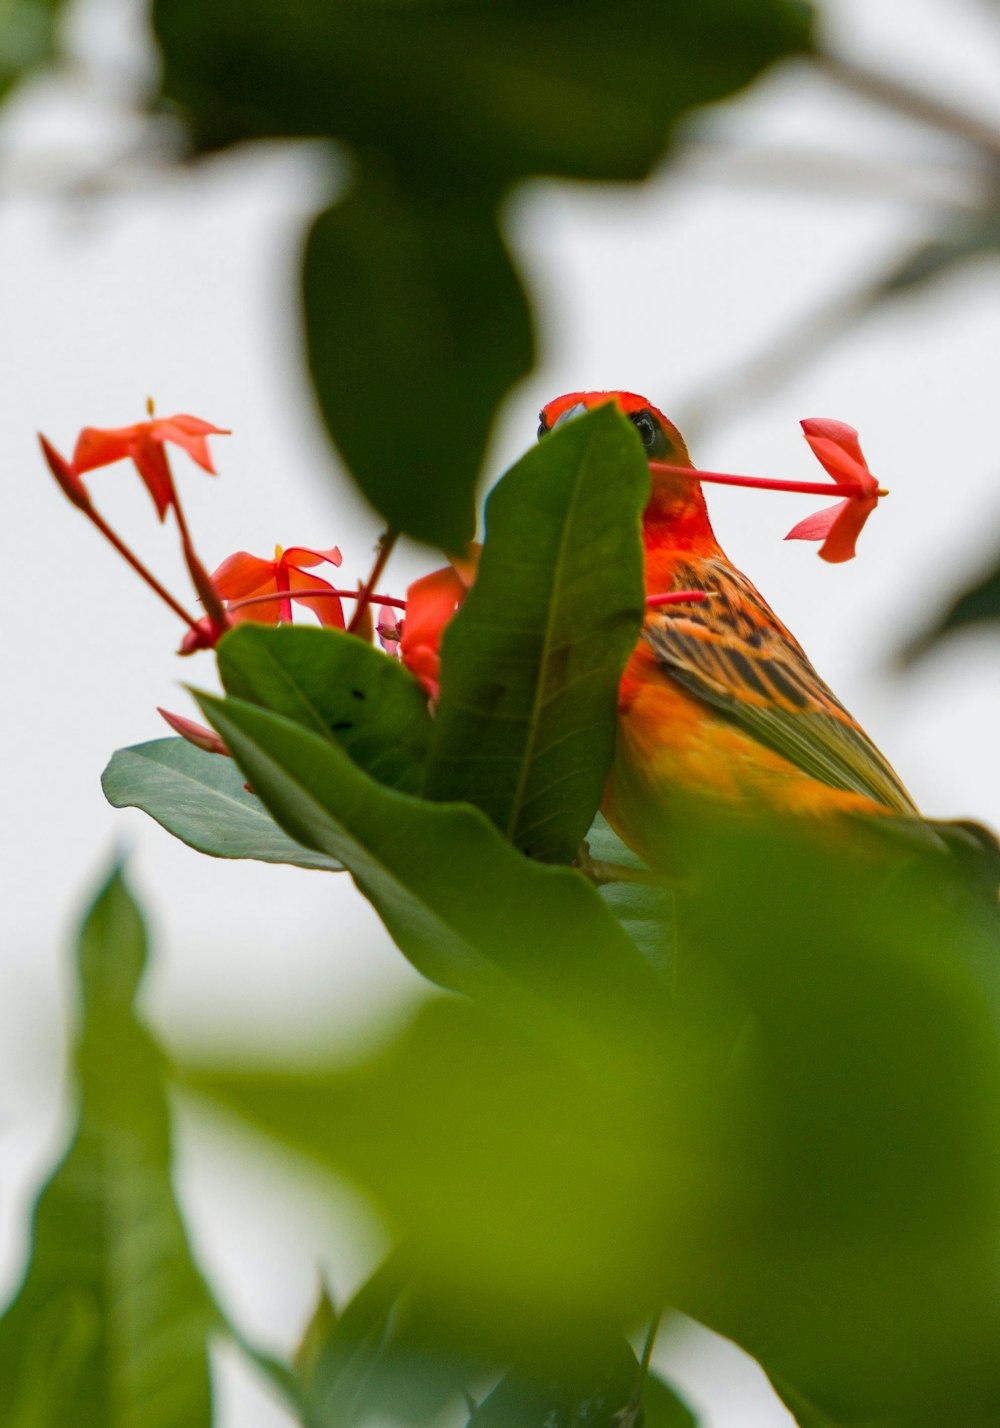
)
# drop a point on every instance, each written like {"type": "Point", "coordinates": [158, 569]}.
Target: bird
{"type": "Point", "coordinates": [718, 700]}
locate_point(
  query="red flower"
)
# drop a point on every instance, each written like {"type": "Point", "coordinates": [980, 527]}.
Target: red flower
{"type": "Point", "coordinates": [143, 443]}
{"type": "Point", "coordinates": [836, 446]}
{"type": "Point", "coordinates": [430, 603]}
{"type": "Point", "coordinates": [245, 580]}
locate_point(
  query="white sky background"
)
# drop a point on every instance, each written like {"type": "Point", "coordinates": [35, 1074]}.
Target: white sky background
{"type": "Point", "coordinates": [183, 286]}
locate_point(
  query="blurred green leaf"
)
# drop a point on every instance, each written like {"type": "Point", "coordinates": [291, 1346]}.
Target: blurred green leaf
{"type": "Point", "coordinates": [978, 605]}
{"type": "Point", "coordinates": [416, 325]}
{"type": "Point", "coordinates": [595, 1393]}
{"type": "Point", "coordinates": [519, 1167]}
{"type": "Point", "coordinates": [374, 1359]}
{"type": "Point", "coordinates": [525, 725]}
{"type": "Point", "coordinates": [663, 1408]}
{"type": "Point", "coordinates": [27, 30]}
{"type": "Point", "coordinates": [503, 89]}
{"type": "Point", "coordinates": [647, 911]}
{"type": "Point", "coordinates": [109, 1328]}
{"type": "Point", "coordinates": [871, 980]}
{"type": "Point", "coordinates": [459, 901]}
{"type": "Point", "coordinates": [416, 321]}
{"type": "Point", "coordinates": [200, 798]}
{"type": "Point", "coordinates": [973, 236]}
{"type": "Point", "coordinates": [336, 685]}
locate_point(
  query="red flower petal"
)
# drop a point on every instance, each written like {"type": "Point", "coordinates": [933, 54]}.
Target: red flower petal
{"type": "Point", "coordinates": [299, 555]}
{"type": "Point", "coordinates": [243, 574]}
{"type": "Point", "coordinates": [188, 432]}
{"type": "Point", "coordinates": [95, 447]}
{"type": "Point", "coordinates": [430, 604]}
{"type": "Point", "coordinates": [836, 447]}
{"type": "Point", "coordinates": [327, 607]}
{"type": "Point", "coordinates": [151, 463]}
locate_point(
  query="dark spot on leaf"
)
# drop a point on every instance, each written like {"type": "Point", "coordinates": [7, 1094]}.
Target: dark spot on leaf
{"type": "Point", "coordinates": [340, 728]}
{"type": "Point", "coordinates": [357, 693]}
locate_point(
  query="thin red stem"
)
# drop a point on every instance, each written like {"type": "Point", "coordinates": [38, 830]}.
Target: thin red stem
{"type": "Point", "coordinates": [317, 593]}
{"type": "Point", "coordinates": [139, 568]}
{"type": "Point", "coordinates": [678, 597]}
{"type": "Point", "coordinates": [366, 595]}
{"type": "Point", "coordinates": [765, 483]}
{"type": "Point", "coordinates": [200, 577]}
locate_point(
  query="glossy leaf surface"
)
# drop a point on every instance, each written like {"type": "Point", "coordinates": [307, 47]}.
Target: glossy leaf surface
{"type": "Point", "coordinates": [530, 665]}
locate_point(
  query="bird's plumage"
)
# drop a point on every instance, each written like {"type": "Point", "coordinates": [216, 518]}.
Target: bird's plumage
{"type": "Point", "coordinates": [719, 699]}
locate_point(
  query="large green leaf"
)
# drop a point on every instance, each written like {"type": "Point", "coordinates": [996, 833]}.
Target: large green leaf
{"type": "Point", "coordinates": [498, 87]}
{"type": "Point", "coordinates": [460, 902]}
{"type": "Point", "coordinates": [416, 325]}
{"type": "Point", "coordinates": [109, 1328]}
{"type": "Point", "coordinates": [338, 686]}
{"type": "Point", "coordinates": [530, 666]}
{"type": "Point", "coordinates": [201, 799]}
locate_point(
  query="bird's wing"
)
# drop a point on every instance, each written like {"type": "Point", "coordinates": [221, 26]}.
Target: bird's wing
{"type": "Point", "coordinates": [734, 653]}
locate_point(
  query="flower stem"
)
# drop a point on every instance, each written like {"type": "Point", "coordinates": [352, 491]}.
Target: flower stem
{"type": "Point", "coordinates": [140, 569]}
{"type": "Point", "coordinates": [678, 597]}
{"type": "Point", "coordinates": [316, 593]}
{"type": "Point", "coordinates": [764, 483]}
{"type": "Point", "coordinates": [365, 596]}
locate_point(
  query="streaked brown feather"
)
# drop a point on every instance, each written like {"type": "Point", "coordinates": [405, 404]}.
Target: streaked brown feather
{"type": "Point", "coordinates": [734, 653]}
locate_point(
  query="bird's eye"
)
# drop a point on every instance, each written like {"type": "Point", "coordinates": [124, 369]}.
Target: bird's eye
{"type": "Point", "coordinates": [651, 433]}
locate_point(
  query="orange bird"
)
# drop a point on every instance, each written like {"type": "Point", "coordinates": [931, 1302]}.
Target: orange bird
{"type": "Point", "coordinates": [718, 698]}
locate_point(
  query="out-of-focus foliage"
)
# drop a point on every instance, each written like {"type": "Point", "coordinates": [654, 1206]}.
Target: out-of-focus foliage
{"type": "Point", "coordinates": [110, 1327]}
{"type": "Point", "coordinates": [27, 35]}
{"type": "Point", "coordinates": [801, 1146]}
{"type": "Point", "coordinates": [977, 606]}
{"type": "Point", "coordinates": [416, 322]}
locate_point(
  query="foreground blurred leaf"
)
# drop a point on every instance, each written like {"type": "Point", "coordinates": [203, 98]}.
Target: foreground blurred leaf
{"type": "Point", "coordinates": [373, 1360]}
{"type": "Point", "coordinates": [525, 726]}
{"type": "Point", "coordinates": [647, 911]}
{"type": "Point", "coordinates": [599, 1391]}
{"type": "Point", "coordinates": [109, 1328]}
{"type": "Point", "coordinates": [503, 89]}
{"type": "Point", "coordinates": [978, 605]}
{"type": "Point", "coordinates": [200, 798]}
{"type": "Point", "coordinates": [27, 29]}
{"type": "Point", "coordinates": [535, 1179]}
{"type": "Point", "coordinates": [416, 326]}
{"type": "Point", "coordinates": [416, 321]}
{"type": "Point", "coordinates": [459, 901]}
{"type": "Point", "coordinates": [872, 986]}
{"type": "Point", "coordinates": [338, 686]}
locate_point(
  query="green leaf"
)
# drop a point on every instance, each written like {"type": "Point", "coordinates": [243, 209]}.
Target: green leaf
{"type": "Point", "coordinates": [417, 326]}
{"type": "Point", "coordinates": [663, 1407]}
{"type": "Point", "coordinates": [455, 92]}
{"type": "Point", "coordinates": [336, 685]}
{"type": "Point", "coordinates": [647, 911]}
{"type": "Point", "coordinates": [531, 664]}
{"type": "Point", "coordinates": [109, 1328]}
{"type": "Point", "coordinates": [27, 30]}
{"type": "Point", "coordinates": [375, 1360]}
{"type": "Point", "coordinates": [459, 901]}
{"type": "Point", "coordinates": [200, 798]}
{"type": "Point", "coordinates": [977, 605]}
{"type": "Point", "coordinates": [596, 1393]}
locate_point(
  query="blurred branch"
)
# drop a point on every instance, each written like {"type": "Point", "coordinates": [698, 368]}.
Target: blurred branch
{"type": "Point", "coordinates": [905, 98]}
{"type": "Point", "coordinates": [799, 167]}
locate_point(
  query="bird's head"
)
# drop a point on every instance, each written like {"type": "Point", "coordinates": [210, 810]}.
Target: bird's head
{"type": "Point", "coordinates": [675, 500]}
{"type": "Point", "coordinates": [660, 438]}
